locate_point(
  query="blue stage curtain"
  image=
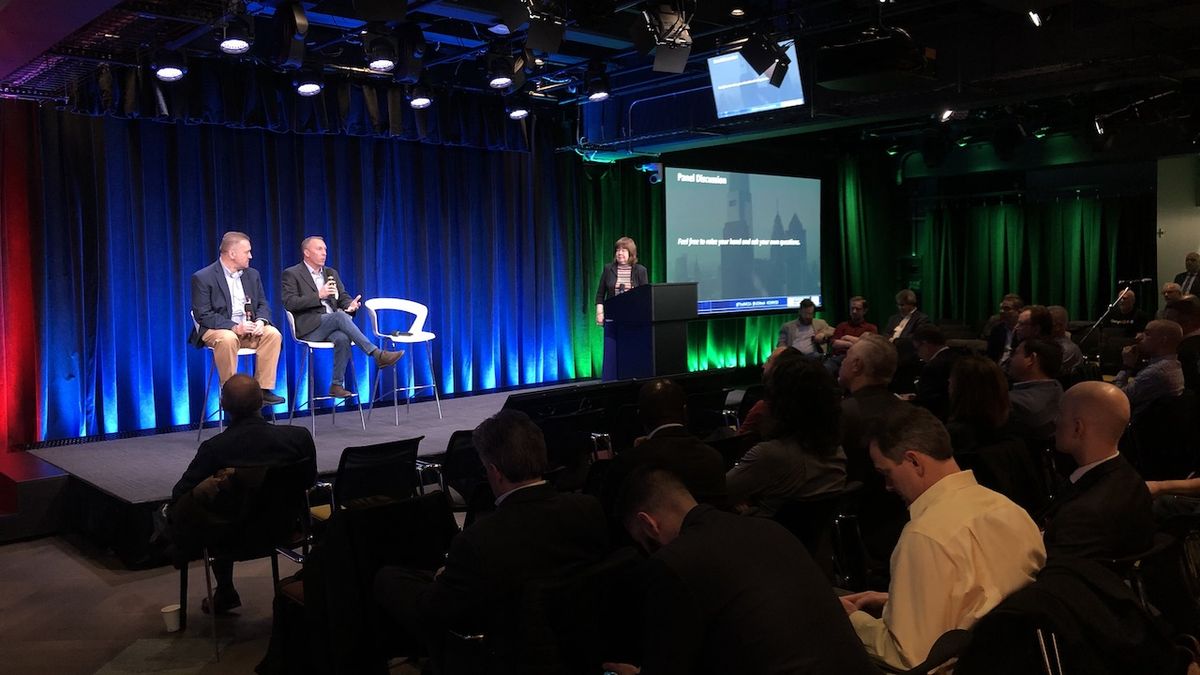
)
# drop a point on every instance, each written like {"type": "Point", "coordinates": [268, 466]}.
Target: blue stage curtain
{"type": "Point", "coordinates": [132, 207]}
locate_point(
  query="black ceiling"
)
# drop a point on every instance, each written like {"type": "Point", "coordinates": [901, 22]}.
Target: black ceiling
{"type": "Point", "coordinates": [1118, 59]}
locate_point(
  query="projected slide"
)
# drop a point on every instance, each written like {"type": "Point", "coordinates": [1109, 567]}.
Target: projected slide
{"type": "Point", "coordinates": [751, 241]}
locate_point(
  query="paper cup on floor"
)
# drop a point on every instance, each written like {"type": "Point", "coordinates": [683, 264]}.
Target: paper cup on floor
{"type": "Point", "coordinates": [171, 615]}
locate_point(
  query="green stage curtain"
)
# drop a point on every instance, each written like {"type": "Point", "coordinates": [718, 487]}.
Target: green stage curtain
{"type": "Point", "coordinates": [1066, 252]}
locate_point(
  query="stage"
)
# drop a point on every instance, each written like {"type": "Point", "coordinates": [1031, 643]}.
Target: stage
{"type": "Point", "coordinates": [143, 469]}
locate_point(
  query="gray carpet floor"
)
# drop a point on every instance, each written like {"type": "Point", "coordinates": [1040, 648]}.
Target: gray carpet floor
{"type": "Point", "coordinates": [144, 469]}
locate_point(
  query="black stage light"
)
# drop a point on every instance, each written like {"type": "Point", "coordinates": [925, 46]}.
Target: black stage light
{"type": "Point", "coordinates": [596, 86]}
{"type": "Point", "coordinates": [419, 97]}
{"type": "Point", "coordinates": [237, 36]}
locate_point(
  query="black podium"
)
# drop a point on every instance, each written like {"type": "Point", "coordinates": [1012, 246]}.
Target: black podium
{"type": "Point", "coordinates": [651, 328]}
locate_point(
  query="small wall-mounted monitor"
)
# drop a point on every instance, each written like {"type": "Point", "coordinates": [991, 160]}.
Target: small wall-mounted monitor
{"type": "Point", "coordinates": [738, 90]}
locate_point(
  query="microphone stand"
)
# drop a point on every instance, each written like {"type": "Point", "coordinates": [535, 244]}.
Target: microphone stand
{"type": "Point", "coordinates": [1104, 316]}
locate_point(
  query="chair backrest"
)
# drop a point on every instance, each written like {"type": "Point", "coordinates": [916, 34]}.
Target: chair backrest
{"type": "Point", "coordinates": [418, 311]}
{"type": "Point", "coordinates": [732, 448]}
{"type": "Point", "coordinates": [569, 446]}
{"type": "Point", "coordinates": [195, 323]}
{"type": "Point", "coordinates": [809, 519]}
{"type": "Point", "coordinates": [1007, 467]}
{"type": "Point", "coordinates": [270, 508]}
{"type": "Point", "coordinates": [380, 470]}
{"type": "Point", "coordinates": [291, 321]}
{"type": "Point", "coordinates": [461, 466]}
{"type": "Point", "coordinates": [1163, 440]}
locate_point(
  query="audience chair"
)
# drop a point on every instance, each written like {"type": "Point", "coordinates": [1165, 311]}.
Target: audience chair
{"type": "Point", "coordinates": [1163, 440]}
{"type": "Point", "coordinates": [563, 625]}
{"type": "Point", "coordinates": [209, 371]}
{"type": "Point", "coordinates": [570, 446]}
{"type": "Point", "coordinates": [460, 469]}
{"type": "Point", "coordinates": [416, 334]}
{"type": "Point", "coordinates": [733, 448]}
{"type": "Point", "coordinates": [308, 349]}
{"type": "Point", "coordinates": [383, 470]}
{"type": "Point", "coordinates": [811, 521]}
{"type": "Point", "coordinates": [265, 508]}
{"type": "Point", "coordinates": [709, 410]}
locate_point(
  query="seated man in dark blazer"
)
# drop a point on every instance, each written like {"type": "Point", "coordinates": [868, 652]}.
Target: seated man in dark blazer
{"type": "Point", "coordinates": [247, 441]}
{"type": "Point", "coordinates": [1105, 511]}
{"type": "Point", "coordinates": [1036, 392]}
{"type": "Point", "coordinates": [662, 407]}
{"type": "Point", "coordinates": [933, 389]}
{"type": "Point", "coordinates": [230, 307]}
{"type": "Point", "coordinates": [907, 319]}
{"type": "Point", "coordinates": [534, 533]}
{"type": "Point", "coordinates": [729, 594]}
{"type": "Point", "coordinates": [318, 301]}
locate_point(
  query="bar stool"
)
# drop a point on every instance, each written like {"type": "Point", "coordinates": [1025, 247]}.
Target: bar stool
{"type": "Point", "coordinates": [209, 369]}
{"type": "Point", "coordinates": [310, 347]}
{"type": "Point", "coordinates": [416, 334]}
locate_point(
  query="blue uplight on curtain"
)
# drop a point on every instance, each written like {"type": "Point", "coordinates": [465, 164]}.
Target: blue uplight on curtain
{"type": "Point", "coordinates": [131, 208]}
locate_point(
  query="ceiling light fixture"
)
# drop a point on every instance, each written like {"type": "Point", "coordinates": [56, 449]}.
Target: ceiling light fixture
{"type": "Point", "coordinates": [664, 29]}
{"type": "Point", "coordinates": [381, 55]}
{"type": "Point", "coordinates": [169, 66]}
{"type": "Point", "coordinates": [237, 36]}
{"type": "Point", "coordinates": [419, 97]}
{"type": "Point", "coordinates": [308, 83]}
{"type": "Point", "coordinates": [596, 82]}
{"type": "Point", "coordinates": [1035, 18]}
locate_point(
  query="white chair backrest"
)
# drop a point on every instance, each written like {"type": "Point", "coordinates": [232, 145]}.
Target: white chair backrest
{"type": "Point", "coordinates": [195, 323]}
{"type": "Point", "coordinates": [419, 312]}
{"type": "Point", "coordinates": [292, 325]}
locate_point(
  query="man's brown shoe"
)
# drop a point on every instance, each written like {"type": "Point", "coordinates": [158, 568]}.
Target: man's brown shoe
{"type": "Point", "coordinates": [384, 359]}
{"type": "Point", "coordinates": [338, 391]}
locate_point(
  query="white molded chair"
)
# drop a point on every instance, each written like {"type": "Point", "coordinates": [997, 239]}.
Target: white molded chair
{"type": "Point", "coordinates": [310, 347]}
{"type": "Point", "coordinates": [415, 334]}
{"type": "Point", "coordinates": [209, 371]}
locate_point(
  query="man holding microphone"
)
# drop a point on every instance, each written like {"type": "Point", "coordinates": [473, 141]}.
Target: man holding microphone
{"type": "Point", "coordinates": [315, 296]}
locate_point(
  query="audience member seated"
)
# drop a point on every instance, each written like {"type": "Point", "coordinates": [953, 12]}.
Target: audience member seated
{"type": "Point", "coordinates": [1174, 497]}
{"type": "Point", "coordinates": [1151, 367]}
{"type": "Point", "coordinates": [754, 417]}
{"type": "Point", "coordinates": [1127, 317]}
{"type": "Point", "coordinates": [806, 334]}
{"type": "Point", "coordinates": [662, 408]}
{"type": "Point", "coordinates": [963, 551]}
{"type": "Point", "coordinates": [979, 404]}
{"type": "Point", "coordinates": [1171, 292]}
{"type": "Point", "coordinates": [848, 332]}
{"type": "Point", "coordinates": [933, 388]}
{"type": "Point", "coordinates": [1188, 278]}
{"type": "Point", "coordinates": [1072, 354]}
{"type": "Point", "coordinates": [869, 366]}
{"type": "Point", "coordinates": [979, 412]}
{"type": "Point", "coordinates": [799, 456]}
{"type": "Point", "coordinates": [247, 441]}
{"type": "Point", "coordinates": [1104, 513]}
{"type": "Point", "coordinates": [1035, 394]}
{"type": "Point", "coordinates": [535, 533]}
{"type": "Point", "coordinates": [1186, 313]}
{"type": "Point", "coordinates": [729, 595]}
{"type": "Point", "coordinates": [1002, 326]}
{"type": "Point", "coordinates": [907, 319]}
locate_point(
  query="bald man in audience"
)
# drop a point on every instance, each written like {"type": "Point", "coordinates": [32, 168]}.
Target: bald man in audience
{"type": "Point", "coordinates": [1072, 354]}
{"type": "Point", "coordinates": [727, 594]}
{"type": "Point", "coordinates": [866, 371]}
{"type": "Point", "coordinates": [964, 550]}
{"type": "Point", "coordinates": [1127, 317]}
{"type": "Point", "coordinates": [1171, 292]}
{"type": "Point", "coordinates": [1104, 513]}
{"type": "Point", "coordinates": [1151, 365]}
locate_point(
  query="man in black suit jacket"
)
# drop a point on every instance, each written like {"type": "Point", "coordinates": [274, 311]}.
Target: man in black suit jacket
{"type": "Point", "coordinates": [534, 533]}
{"type": "Point", "coordinates": [730, 594]}
{"type": "Point", "coordinates": [248, 441]}
{"type": "Point", "coordinates": [1189, 279]}
{"type": "Point", "coordinates": [230, 309]}
{"type": "Point", "coordinates": [933, 389]}
{"type": "Point", "coordinates": [322, 310]}
{"type": "Point", "coordinates": [1104, 513]}
{"type": "Point", "coordinates": [907, 320]}
{"type": "Point", "coordinates": [662, 407]}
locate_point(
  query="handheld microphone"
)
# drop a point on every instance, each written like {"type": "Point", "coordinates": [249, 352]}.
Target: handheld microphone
{"type": "Point", "coordinates": [330, 280]}
{"type": "Point", "coordinates": [1144, 280]}
{"type": "Point", "coordinates": [620, 288]}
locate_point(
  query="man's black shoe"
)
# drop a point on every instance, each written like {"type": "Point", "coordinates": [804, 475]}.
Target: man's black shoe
{"type": "Point", "coordinates": [270, 398]}
{"type": "Point", "coordinates": [225, 600]}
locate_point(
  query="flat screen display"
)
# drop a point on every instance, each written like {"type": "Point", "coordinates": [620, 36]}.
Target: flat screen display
{"type": "Point", "coordinates": [738, 90]}
{"type": "Point", "coordinates": [752, 242]}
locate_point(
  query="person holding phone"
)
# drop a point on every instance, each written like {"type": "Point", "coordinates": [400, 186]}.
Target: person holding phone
{"type": "Point", "coordinates": [323, 310]}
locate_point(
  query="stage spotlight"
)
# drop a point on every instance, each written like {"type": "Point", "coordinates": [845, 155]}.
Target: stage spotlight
{"type": "Point", "coordinates": [419, 97]}
{"type": "Point", "coordinates": [169, 66]}
{"type": "Point", "coordinates": [596, 84]}
{"type": "Point", "coordinates": [737, 11]}
{"type": "Point", "coordinates": [1035, 18]}
{"type": "Point", "coordinates": [237, 36]}
{"type": "Point", "coordinates": [1099, 123]}
{"type": "Point", "coordinates": [381, 55]}
{"type": "Point", "coordinates": [767, 57]}
{"type": "Point", "coordinates": [499, 73]}
{"type": "Point", "coordinates": [1042, 132]}
{"type": "Point", "coordinates": [285, 41]}
{"type": "Point", "coordinates": [410, 53]}
{"type": "Point", "coordinates": [946, 115]}
{"type": "Point", "coordinates": [963, 141]}
{"type": "Point", "coordinates": [308, 83]}
{"type": "Point", "coordinates": [545, 20]}
{"type": "Point", "coordinates": [517, 108]}
{"type": "Point", "coordinates": [664, 29]}
{"type": "Point", "coordinates": [893, 150]}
